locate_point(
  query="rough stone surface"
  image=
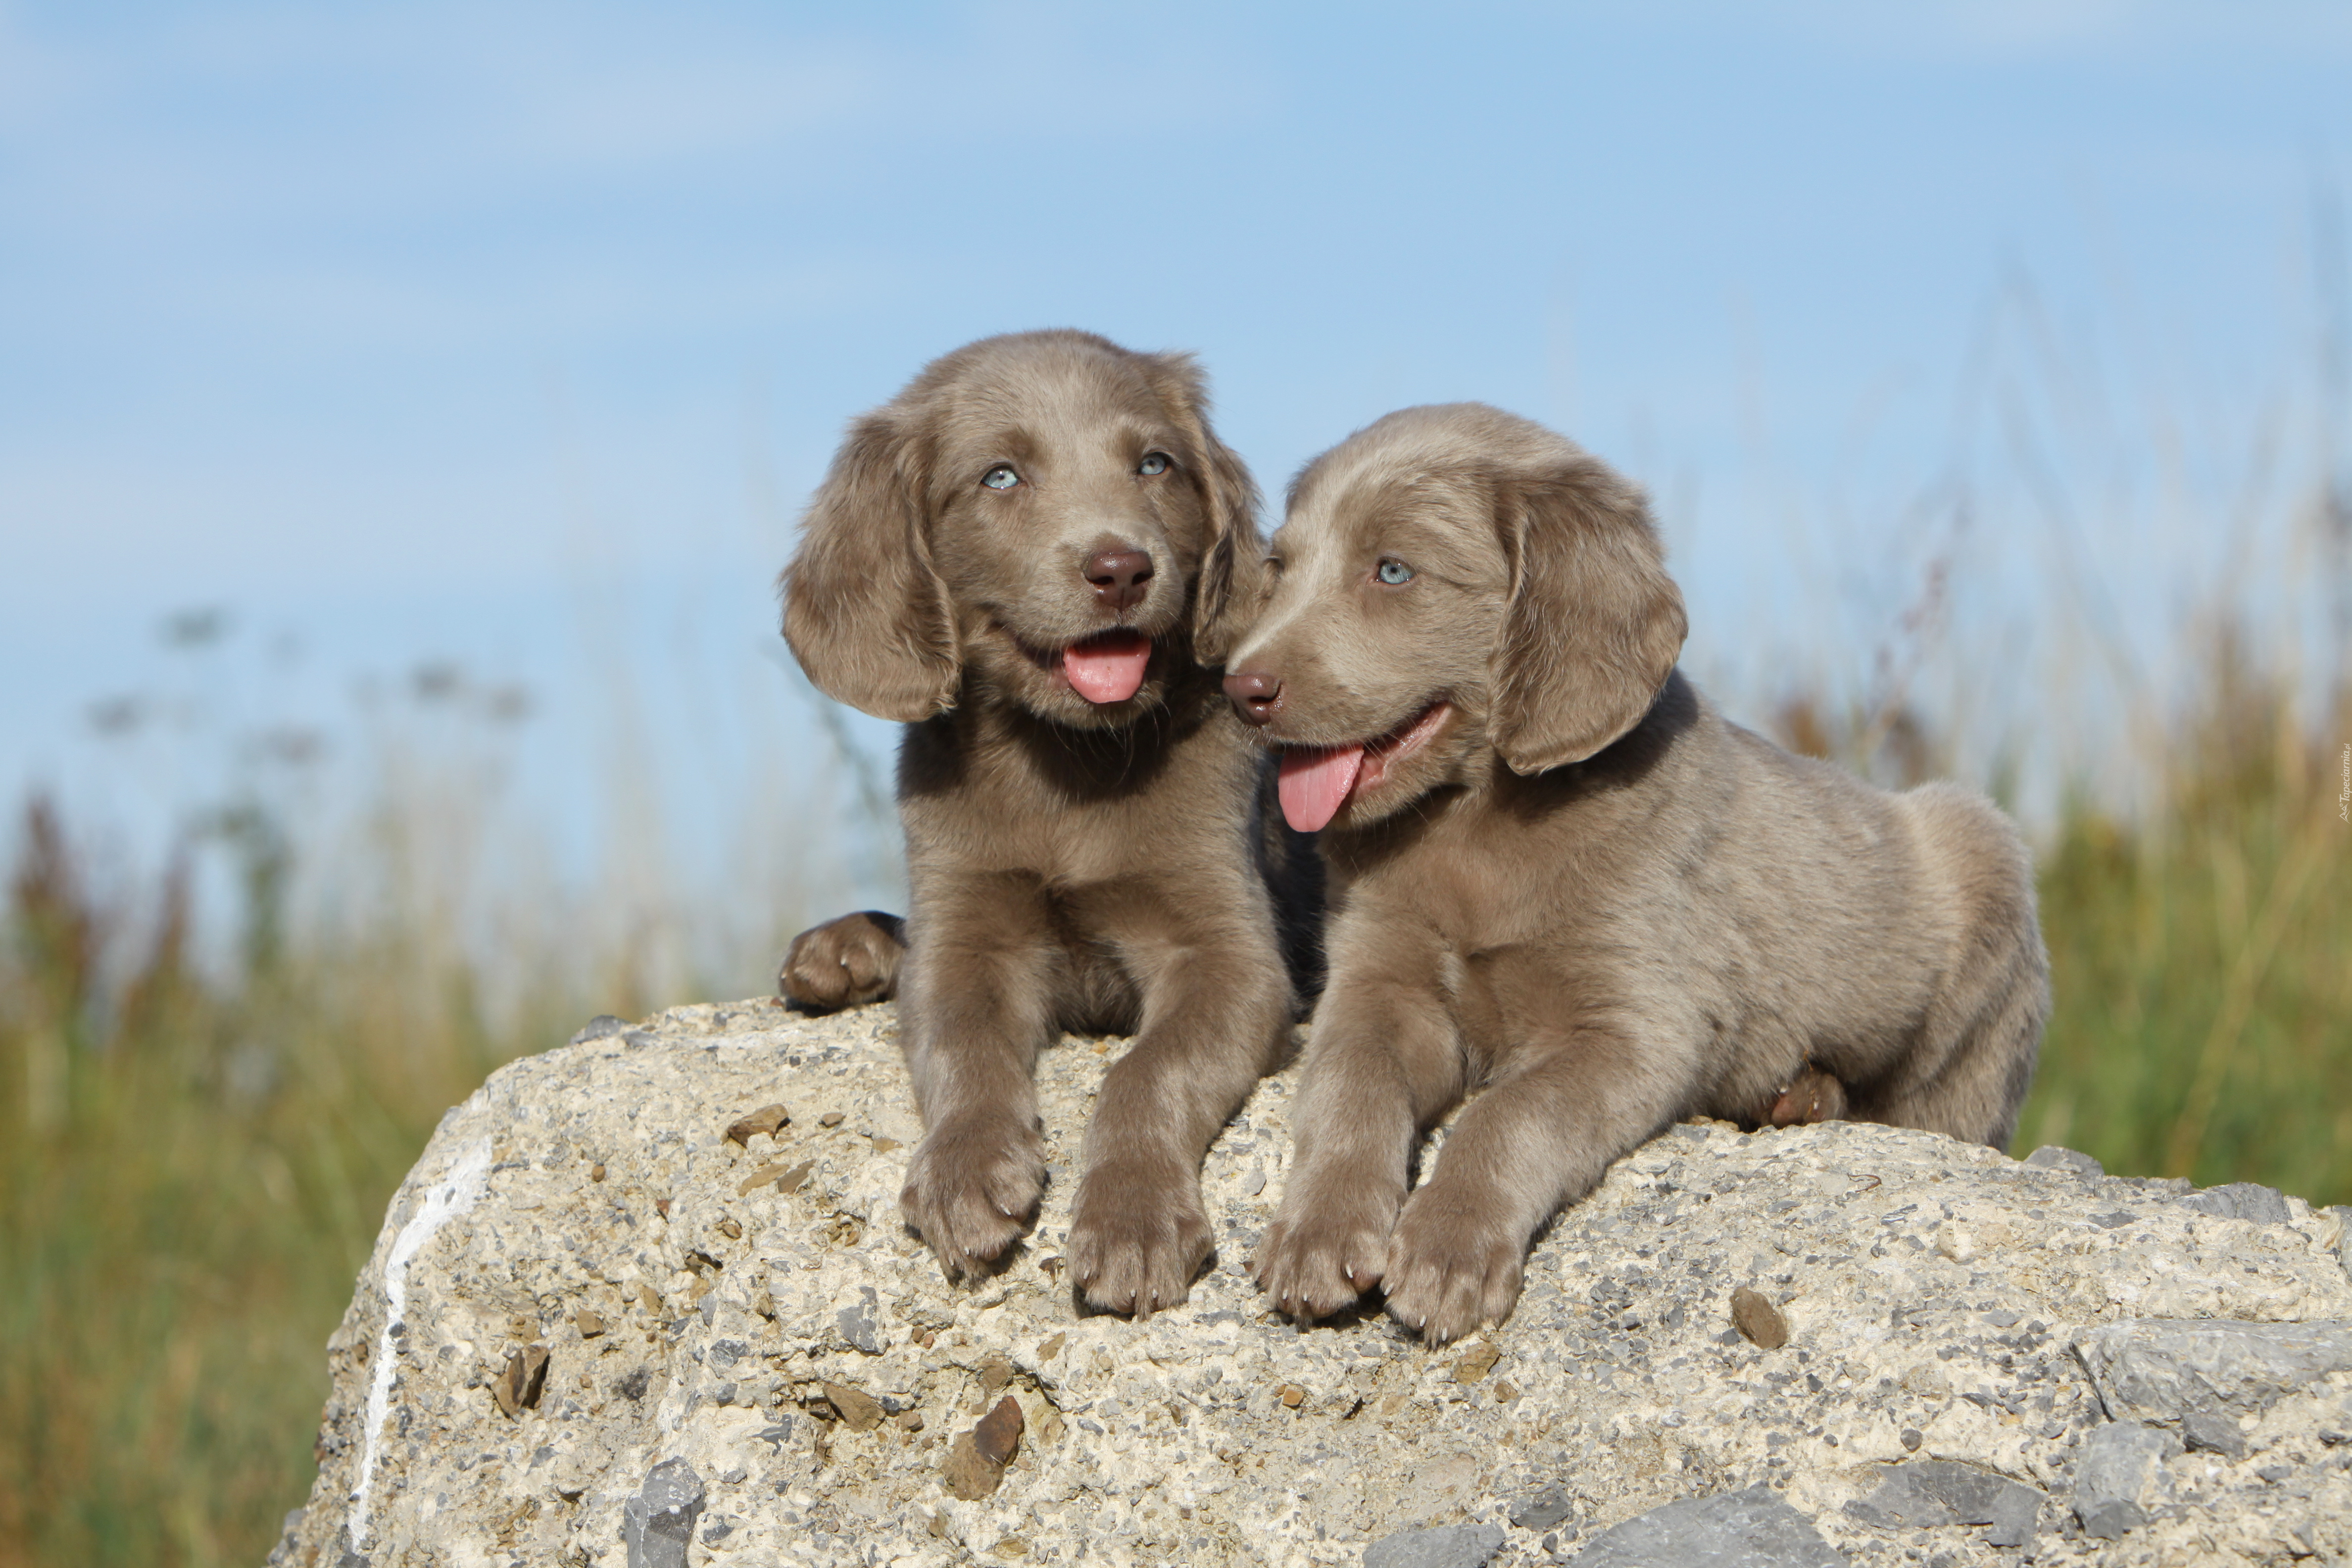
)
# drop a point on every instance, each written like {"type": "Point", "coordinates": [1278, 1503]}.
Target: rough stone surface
{"type": "Point", "coordinates": [1935, 1295]}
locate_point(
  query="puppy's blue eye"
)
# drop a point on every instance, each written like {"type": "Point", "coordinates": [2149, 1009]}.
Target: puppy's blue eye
{"type": "Point", "coordinates": [1001, 477]}
{"type": "Point", "coordinates": [1153, 463]}
{"type": "Point", "coordinates": [1395, 572]}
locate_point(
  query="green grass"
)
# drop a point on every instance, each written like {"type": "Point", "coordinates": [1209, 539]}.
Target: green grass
{"type": "Point", "coordinates": [193, 1169]}
{"type": "Point", "coordinates": [2203, 962]}
{"type": "Point", "coordinates": [192, 1165]}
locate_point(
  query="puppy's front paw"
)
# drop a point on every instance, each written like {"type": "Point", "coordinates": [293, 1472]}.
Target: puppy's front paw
{"type": "Point", "coordinates": [1326, 1248]}
{"type": "Point", "coordinates": [1138, 1235]}
{"type": "Point", "coordinates": [972, 1188]}
{"type": "Point", "coordinates": [843, 963]}
{"type": "Point", "coordinates": [1453, 1265]}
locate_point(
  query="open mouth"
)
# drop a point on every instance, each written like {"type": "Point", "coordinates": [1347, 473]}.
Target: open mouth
{"type": "Point", "coordinates": [1317, 781]}
{"type": "Point", "coordinates": [1108, 667]}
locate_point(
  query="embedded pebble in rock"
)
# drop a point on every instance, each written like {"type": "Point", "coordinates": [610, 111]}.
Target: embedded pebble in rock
{"type": "Point", "coordinates": [780, 1374]}
{"type": "Point", "coordinates": [1938, 1491]}
{"type": "Point", "coordinates": [657, 1523]}
{"type": "Point", "coordinates": [1750, 1529]}
{"type": "Point", "coordinates": [1757, 1321]}
{"type": "Point", "coordinates": [765, 1121]}
{"type": "Point", "coordinates": [1446, 1546]}
{"type": "Point", "coordinates": [2159, 1372]}
{"type": "Point", "coordinates": [2051, 1157]}
{"type": "Point", "coordinates": [998, 1436]}
{"type": "Point", "coordinates": [2240, 1200]}
{"type": "Point", "coordinates": [2113, 1473]}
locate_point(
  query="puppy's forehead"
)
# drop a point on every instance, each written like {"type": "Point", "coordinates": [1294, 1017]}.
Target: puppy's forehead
{"type": "Point", "coordinates": [1389, 506]}
{"type": "Point", "coordinates": [1434, 467]}
{"type": "Point", "coordinates": [1055, 399]}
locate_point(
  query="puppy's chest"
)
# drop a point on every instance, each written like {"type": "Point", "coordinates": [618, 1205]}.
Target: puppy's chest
{"type": "Point", "coordinates": [1185, 812]}
{"type": "Point", "coordinates": [1510, 944]}
{"type": "Point", "coordinates": [1471, 897]}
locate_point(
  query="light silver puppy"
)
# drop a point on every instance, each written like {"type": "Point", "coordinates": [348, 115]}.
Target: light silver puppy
{"type": "Point", "coordinates": [1560, 879]}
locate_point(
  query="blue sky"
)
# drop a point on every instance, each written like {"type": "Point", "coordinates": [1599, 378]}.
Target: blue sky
{"type": "Point", "coordinates": [516, 335]}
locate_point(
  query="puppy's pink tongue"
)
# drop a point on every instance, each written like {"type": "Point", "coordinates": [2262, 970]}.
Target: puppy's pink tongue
{"type": "Point", "coordinates": [1316, 781]}
{"type": "Point", "coordinates": [1108, 668]}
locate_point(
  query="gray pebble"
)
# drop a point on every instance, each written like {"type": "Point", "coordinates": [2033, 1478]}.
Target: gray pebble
{"type": "Point", "coordinates": [1751, 1529]}
{"type": "Point", "coordinates": [1541, 1511]}
{"type": "Point", "coordinates": [1447, 1546]}
{"type": "Point", "coordinates": [2109, 1476]}
{"type": "Point", "coordinates": [1929, 1492]}
{"type": "Point", "coordinates": [856, 1324]}
{"type": "Point", "coordinates": [657, 1523]}
{"type": "Point", "coordinates": [2051, 1157]}
{"type": "Point", "coordinates": [2213, 1432]}
{"type": "Point", "coordinates": [2240, 1200]}
{"type": "Point", "coordinates": [2158, 1370]}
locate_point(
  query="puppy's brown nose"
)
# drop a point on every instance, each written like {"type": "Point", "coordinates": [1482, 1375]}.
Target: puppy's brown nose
{"type": "Point", "coordinates": [1118, 576]}
{"type": "Point", "coordinates": [1255, 695]}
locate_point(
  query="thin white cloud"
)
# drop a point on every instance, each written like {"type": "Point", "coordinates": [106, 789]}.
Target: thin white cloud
{"type": "Point", "coordinates": [320, 113]}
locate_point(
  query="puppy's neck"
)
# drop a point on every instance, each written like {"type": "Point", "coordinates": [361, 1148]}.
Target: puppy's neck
{"type": "Point", "coordinates": [990, 734]}
{"type": "Point", "coordinates": [1598, 786]}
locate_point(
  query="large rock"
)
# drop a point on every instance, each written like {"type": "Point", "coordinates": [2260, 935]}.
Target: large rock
{"type": "Point", "coordinates": [598, 1329]}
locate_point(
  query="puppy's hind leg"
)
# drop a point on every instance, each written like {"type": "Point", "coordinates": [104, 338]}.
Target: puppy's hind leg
{"type": "Point", "coordinates": [1812, 1095]}
{"type": "Point", "coordinates": [1969, 1074]}
{"type": "Point", "coordinates": [843, 963]}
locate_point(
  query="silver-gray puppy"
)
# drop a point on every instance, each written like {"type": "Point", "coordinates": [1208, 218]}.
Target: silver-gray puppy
{"type": "Point", "coordinates": [1029, 556]}
{"type": "Point", "coordinates": [1559, 878]}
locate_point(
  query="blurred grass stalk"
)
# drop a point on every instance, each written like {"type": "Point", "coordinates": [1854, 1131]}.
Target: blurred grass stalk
{"type": "Point", "coordinates": [199, 1132]}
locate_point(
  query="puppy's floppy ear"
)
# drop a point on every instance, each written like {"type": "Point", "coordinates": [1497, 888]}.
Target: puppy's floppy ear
{"type": "Point", "coordinates": [1224, 598]}
{"type": "Point", "coordinates": [865, 611]}
{"type": "Point", "coordinates": [1595, 624]}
